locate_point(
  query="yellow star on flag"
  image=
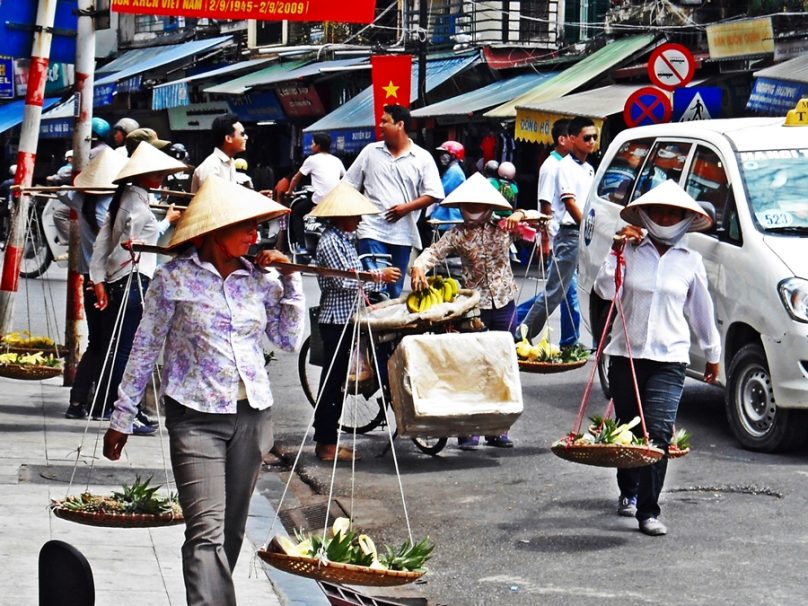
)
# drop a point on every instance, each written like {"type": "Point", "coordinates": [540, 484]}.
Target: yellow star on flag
{"type": "Point", "coordinates": [391, 90]}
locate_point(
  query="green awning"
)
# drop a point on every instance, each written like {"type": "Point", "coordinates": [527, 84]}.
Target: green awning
{"type": "Point", "coordinates": [578, 75]}
{"type": "Point", "coordinates": [280, 72]}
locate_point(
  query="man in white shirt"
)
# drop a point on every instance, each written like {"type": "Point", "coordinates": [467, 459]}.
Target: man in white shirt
{"type": "Point", "coordinates": [400, 178]}
{"type": "Point", "coordinates": [573, 180]}
{"type": "Point", "coordinates": [231, 139]}
{"type": "Point", "coordinates": [325, 171]}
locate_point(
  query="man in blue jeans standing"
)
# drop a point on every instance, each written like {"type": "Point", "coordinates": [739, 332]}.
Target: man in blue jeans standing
{"type": "Point", "coordinates": [399, 178]}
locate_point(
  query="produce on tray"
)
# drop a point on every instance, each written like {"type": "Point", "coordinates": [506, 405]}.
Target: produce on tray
{"type": "Point", "coordinates": [605, 431]}
{"type": "Point", "coordinates": [440, 290]}
{"type": "Point", "coordinates": [346, 546]}
{"type": "Point", "coordinates": [31, 359]}
{"type": "Point", "coordinates": [26, 339]}
{"type": "Point", "coordinates": [139, 498]}
{"type": "Point", "coordinates": [680, 441]}
{"type": "Point", "coordinates": [545, 351]}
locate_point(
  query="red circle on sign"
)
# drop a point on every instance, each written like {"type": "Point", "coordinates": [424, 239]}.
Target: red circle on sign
{"type": "Point", "coordinates": [647, 105]}
{"type": "Point", "coordinates": [671, 66]}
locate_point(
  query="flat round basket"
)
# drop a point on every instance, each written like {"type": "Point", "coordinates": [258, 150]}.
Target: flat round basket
{"type": "Point", "coordinates": [117, 520]}
{"type": "Point", "coordinates": [393, 315]}
{"type": "Point", "coordinates": [29, 372]}
{"type": "Point", "coordinates": [609, 455]}
{"type": "Point", "coordinates": [677, 453]}
{"type": "Point", "coordinates": [337, 572]}
{"type": "Point", "coordinates": [550, 367]}
{"type": "Point", "coordinates": [59, 351]}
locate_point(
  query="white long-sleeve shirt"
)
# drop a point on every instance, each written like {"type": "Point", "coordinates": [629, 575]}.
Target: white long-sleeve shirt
{"type": "Point", "coordinates": [661, 295]}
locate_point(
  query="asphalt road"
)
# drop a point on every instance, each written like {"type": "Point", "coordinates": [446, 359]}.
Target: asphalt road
{"type": "Point", "coordinates": [522, 526]}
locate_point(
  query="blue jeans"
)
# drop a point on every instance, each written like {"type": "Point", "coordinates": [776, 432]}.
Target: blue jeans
{"type": "Point", "coordinates": [498, 319]}
{"type": "Point", "coordinates": [400, 255]}
{"type": "Point", "coordinates": [570, 314]}
{"type": "Point", "coordinates": [660, 385]}
{"type": "Point", "coordinates": [562, 269]}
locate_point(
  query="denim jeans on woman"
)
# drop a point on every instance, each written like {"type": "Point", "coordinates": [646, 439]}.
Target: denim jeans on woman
{"type": "Point", "coordinates": [660, 386]}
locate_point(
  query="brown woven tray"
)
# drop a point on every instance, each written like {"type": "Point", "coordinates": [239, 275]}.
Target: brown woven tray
{"type": "Point", "coordinates": [550, 367]}
{"type": "Point", "coordinates": [335, 571]}
{"type": "Point", "coordinates": [392, 315]}
{"type": "Point", "coordinates": [29, 372]}
{"type": "Point", "coordinates": [117, 520]}
{"type": "Point", "coordinates": [676, 453]}
{"type": "Point", "coordinates": [609, 455]}
{"type": "Point", "coordinates": [59, 351]}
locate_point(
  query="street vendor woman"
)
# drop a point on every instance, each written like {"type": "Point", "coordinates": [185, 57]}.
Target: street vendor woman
{"type": "Point", "coordinates": [343, 209]}
{"type": "Point", "coordinates": [210, 306]}
{"type": "Point", "coordinates": [484, 250]}
{"type": "Point", "coordinates": [664, 288]}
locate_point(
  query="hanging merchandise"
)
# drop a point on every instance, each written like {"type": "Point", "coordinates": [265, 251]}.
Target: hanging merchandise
{"type": "Point", "coordinates": [30, 366]}
{"type": "Point", "coordinates": [680, 444]}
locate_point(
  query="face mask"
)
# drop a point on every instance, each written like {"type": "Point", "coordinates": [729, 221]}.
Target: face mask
{"type": "Point", "coordinates": [666, 234]}
{"type": "Point", "coordinates": [445, 160]}
{"type": "Point", "coordinates": [476, 218]}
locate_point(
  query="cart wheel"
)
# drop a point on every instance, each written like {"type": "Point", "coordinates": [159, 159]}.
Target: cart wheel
{"type": "Point", "coordinates": [430, 446]}
{"type": "Point", "coordinates": [365, 412]}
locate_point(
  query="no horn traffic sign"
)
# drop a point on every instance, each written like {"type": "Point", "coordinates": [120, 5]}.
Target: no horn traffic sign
{"type": "Point", "coordinates": [671, 66]}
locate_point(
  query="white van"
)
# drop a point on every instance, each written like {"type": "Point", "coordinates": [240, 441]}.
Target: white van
{"type": "Point", "coordinates": [754, 172]}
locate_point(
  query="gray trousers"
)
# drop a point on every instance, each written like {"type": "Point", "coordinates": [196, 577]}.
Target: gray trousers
{"type": "Point", "coordinates": [216, 459]}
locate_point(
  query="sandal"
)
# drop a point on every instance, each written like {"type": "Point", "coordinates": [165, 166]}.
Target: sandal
{"type": "Point", "coordinates": [328, 451]}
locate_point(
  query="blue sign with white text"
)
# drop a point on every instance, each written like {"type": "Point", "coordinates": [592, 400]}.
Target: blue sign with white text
{"type": "Point", "coordinates": [6, 78]}
{"type": "Point", "coordinates": [17, 19]}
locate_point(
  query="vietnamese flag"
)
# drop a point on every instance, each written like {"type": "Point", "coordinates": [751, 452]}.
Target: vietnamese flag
{"type": "Point", "coordinates": [391, 83]}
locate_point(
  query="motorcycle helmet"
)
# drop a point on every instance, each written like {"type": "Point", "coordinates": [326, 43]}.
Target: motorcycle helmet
{"type": "Point", "coordinates": [454, 148]}
{"type": "Point", "coordinates": [241, 164]}
{"type": "Point", "coordinates": [127, 125]}
{"type": "Point", "coordinates": [12, 170]}
{"type": "Point", "coordinates": [178, 151]}
{"type": "Point", "coordinates": [490, 168]}
{"type": "Point", "coordinates": [68, 154]}
{"type": "Point", "coordinates": [100, 128]}
{"type": "Point", "coordinates": [507, 171]}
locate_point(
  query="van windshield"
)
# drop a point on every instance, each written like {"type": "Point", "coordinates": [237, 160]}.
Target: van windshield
{"type": "Point", "coordinates": [777, 188]}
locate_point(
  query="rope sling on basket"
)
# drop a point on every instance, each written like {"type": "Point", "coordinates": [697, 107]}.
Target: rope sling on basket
{"type": "Point", "coordinates": [607, 444]}
{"type": "Point", "coordinates": [138, 504]}
{"type": "Point", "coordinates": [24, 356]}
{"type": "Point", "coordinates": [343, 554]}
{"type": "Point", "coordinates": [546, 357]}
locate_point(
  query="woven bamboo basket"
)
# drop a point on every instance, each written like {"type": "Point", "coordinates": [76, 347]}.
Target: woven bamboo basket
{"type": "Point", "coordinates": [677, 453]}
{"type": "Point", "coordinates": [334, 571]}
{"type": "Point", "coordinates": [117, 520]}
{"type": "Point", "coordinates": [29, 372]}
{"type": "Point", "coordinates": [58, 351]}
{"type": "Point", "coordinates": [609, 455]}
{"type": "Point", "coordinates": [549, 367]}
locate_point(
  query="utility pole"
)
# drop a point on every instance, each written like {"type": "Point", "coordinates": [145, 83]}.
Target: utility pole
{"type": "Point", "coordinates": [82, 134]}
{"type": "Point", "coordinates": [423, 41]}
{"type": "Point", "coordinates": [26, 157]}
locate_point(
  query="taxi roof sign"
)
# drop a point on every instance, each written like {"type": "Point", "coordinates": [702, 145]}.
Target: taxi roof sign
{"type": "Point", "coordinates": [799, 115]}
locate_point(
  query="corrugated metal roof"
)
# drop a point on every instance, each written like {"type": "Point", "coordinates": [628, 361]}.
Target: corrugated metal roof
{"type": "Point", "coordinates": [358, 112]}
{"type": "Point", "coordinates": [793, 70]}
{"type": "Point", "coordinates": [291, 70]}
{"type": "Point", "coordinates": [485, 97]}
{"type": "Point", "coordinates": [577, 75]}
{"type": "Point", "coordinates": [596, 103]}
{"type": "Point", "coordinates": [144, 59]}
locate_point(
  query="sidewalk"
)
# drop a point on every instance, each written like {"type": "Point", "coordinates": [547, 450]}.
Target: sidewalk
{"type": "Point", "coordinates": [131, 567]}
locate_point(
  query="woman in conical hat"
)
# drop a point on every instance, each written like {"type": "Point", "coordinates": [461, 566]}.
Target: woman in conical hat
{"type": "Point", "coordinates": [130, 219]}
{"type": "Point", "coordinates": [92, 204]}
{"type": "Point", "coordinates": [343, 208]}
{"type": "Point", "coordinates": [484, 250]}
{"type": "Point", "coordinates": [664, 289]}
{"type": "Point", "coordinates": [208, 309]}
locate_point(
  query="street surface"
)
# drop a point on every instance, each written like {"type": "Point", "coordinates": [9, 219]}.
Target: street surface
{"type": "Point", "coordinates": [524, 527]}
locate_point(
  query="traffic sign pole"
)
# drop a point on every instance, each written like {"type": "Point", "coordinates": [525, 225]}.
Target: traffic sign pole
{"type": "Point", "coordinates": [26, 158]}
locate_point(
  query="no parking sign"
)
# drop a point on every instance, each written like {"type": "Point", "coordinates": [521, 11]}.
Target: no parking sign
{"type": "Point", "coordinates": [647, 105]}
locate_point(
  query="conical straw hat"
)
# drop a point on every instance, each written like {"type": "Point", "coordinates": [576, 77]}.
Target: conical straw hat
{"type": "Point", "coordinates": [220, 203]}
{"type": "Point", "coordinates": [148, 159]}
{"type": "Point", "coordinates": [668, 194]}
{"type": "Point", "coordinates": [96, 178]}
{"type": "Point", "coordinates": [477, 189]}
{"type": "Point", "coordinates": [344, 201]}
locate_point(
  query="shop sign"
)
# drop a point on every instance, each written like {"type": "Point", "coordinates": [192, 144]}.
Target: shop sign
{"type": "Point", "coordinates": [17, 19]}
{"type": "Point", "coordinates": [741, 38]}
{"type": "Point", "coordinates": [196, 116]}
{"type": "Point", "coordinates": [103, 95]}
{"type": "Point", "coordinates": [300, 101]}
{"type": "Point", "coordinates": [536, 126]}
{"type": "Point", "coordinates": [56, 128]}
{"type": "Point", "coordinates": [257, 106]}
{"type": "Point", "coordinates": [6, 78]}
{"type": "Point", "coordinates": [345, 141]}
{"type": "Point", "coordinates": [355, 11]}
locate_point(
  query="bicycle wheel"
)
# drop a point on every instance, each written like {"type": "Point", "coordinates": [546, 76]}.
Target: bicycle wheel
{"type": "Point", "coordinates": [362, 412]}
{"type": "Point", "coordinates": [430, 446]}
{"type": "Point", "coordinates": [36, 255]}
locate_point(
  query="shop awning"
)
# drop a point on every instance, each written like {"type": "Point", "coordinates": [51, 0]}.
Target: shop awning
{"type": "Point", "coordinates": [11, 114]}
{"type": "Point", "coordinates": [175, 94]}
{"type": "Point", "coordinates": [282, 72]}
{"type": "Point", "coordinates": [58, 122]}
{"type": "Point", "coordinates": [477, 100]}
{"type": "Point", "coordinates": [778, 88]}
{"type": "Point", "coordinates": [352, 125]}
{"type": "Point", "coordinates": [534, 121]}
{"type": "Point", "coordinates": [578, 75]}
{"type": "Point", "coordinates": [141, 60]}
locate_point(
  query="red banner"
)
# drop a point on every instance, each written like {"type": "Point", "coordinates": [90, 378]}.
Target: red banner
{"type": "Point", "coordinates": [354, 11]}
{"type": "Point", "coordinates": [392, 78]}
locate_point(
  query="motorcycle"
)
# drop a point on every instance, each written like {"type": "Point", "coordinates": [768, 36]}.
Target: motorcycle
{"type": "Point", "coordinates": [304, 252]}
{"type": "Point", "coordinates": [41, 245]}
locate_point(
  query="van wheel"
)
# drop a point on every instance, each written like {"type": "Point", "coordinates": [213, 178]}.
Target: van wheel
{"type": "Point", "coordinates": [753, 415]}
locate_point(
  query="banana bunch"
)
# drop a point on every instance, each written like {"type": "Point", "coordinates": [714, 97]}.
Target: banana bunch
{"type": "Point", "coordinates": [32, 359]}
{"type": "Point", "coordinates": [440, 290]}
{"type": "Point", "coordinates": [544, 351]}
{"type": "Point", "coordinates": [26, 339]}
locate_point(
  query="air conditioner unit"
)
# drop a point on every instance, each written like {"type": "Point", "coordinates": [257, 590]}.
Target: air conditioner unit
{"type": "Point", "coordinates": [267, 33]}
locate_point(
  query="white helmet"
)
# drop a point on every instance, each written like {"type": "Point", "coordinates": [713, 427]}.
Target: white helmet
{"type": "Point", "coordinates": [68, 154]}
{"type": "Point", "coordinates": [507, 170]}
{"type": "Point", "coordinates": [12, 170]}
